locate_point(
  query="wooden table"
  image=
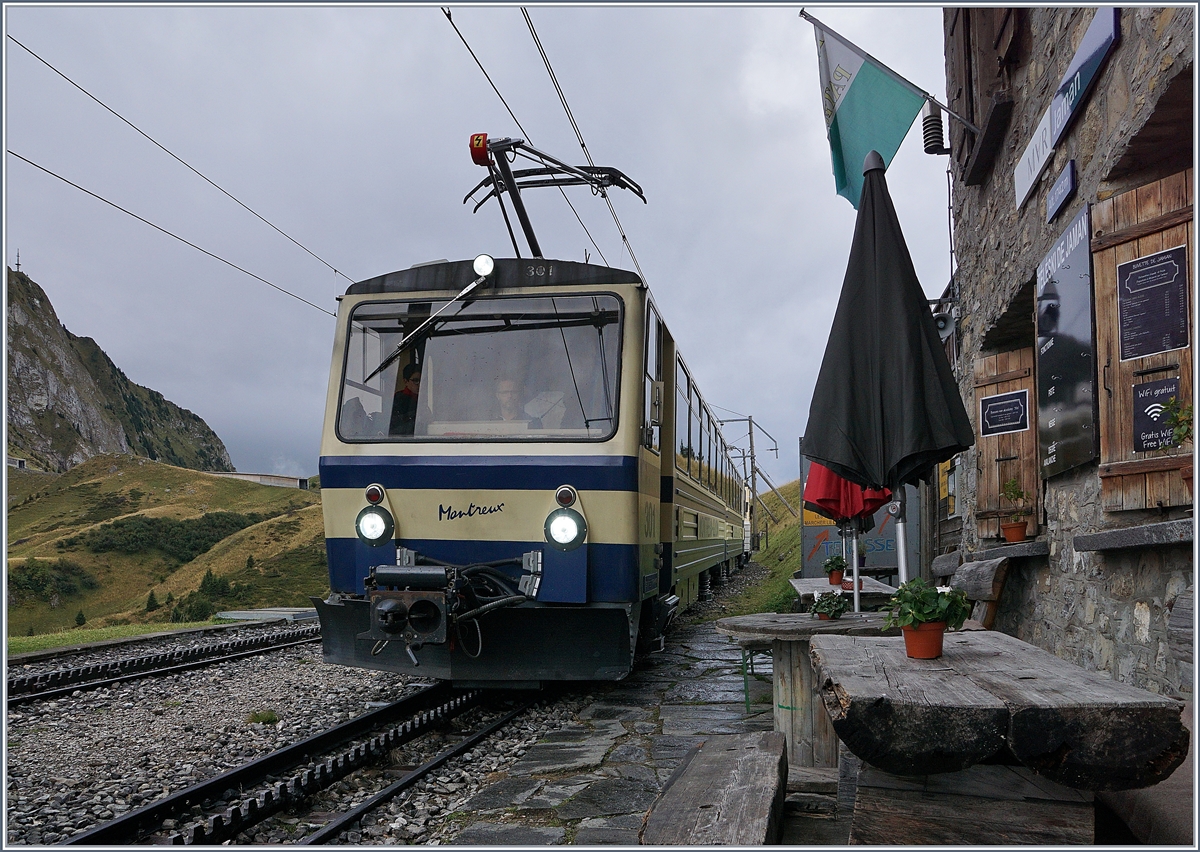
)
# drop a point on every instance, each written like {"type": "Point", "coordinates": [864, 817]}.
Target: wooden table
{"type": "Point", "coordinates": [872, 594]}
{"type": "Point", "coordinates": [991, 696]}
{"type": "Point", "coordinates": [811, 739]}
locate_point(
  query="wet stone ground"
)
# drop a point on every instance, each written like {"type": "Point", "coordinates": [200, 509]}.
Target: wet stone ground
{"type": "Point", "coordinates": [592, 782]}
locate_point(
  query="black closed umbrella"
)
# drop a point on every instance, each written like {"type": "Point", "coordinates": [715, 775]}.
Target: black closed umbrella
{"type": "Point", "coordinates": [886, 408]}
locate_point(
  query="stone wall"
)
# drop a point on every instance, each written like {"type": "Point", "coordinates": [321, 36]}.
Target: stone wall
{"type": "Point", "coordinates": [1105, 611]}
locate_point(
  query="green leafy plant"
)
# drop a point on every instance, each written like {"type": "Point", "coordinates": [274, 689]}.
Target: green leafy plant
{"type": "Point", "coordinates": [917, 602]}
{"type": "Point", "coordinates": [837, 562]}
{"type": "Point", "coordinates": [831, 604]}
{"type": "Point", "coordinates": [263, 717]}
{"type": "Point", "coordinates": [1012, 492]}
{"type": "Point", "coordinates": [1178, 418]}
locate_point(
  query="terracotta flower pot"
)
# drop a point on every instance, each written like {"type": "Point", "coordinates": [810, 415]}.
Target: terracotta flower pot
{"type": "Point", "coordinates": [835, 578]}
{"type": "Point", "coordinates": [823, 616]}
{"type": "Point", "coordinates": [848, 584]}
{"type": "Point", "coordinates": [924, 641]}
{"type": "Point", "coordinates": [1013, 531]}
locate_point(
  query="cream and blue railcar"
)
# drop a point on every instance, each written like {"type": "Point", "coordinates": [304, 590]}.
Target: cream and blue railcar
{"type": "Point", "coordinates": [530, 488]}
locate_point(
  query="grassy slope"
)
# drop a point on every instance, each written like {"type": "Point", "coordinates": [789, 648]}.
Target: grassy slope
{"type": "Point", "coordinates": [781, 558]}
{"type": "Point", "coordinates": [112, 486]}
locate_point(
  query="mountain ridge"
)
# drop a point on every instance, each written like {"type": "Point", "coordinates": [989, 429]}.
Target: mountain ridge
{"type": "Point", "coordinates": [68, 402]}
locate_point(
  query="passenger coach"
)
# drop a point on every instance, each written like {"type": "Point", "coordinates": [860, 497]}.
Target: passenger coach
{"type": "Point", "coordinates": [520, 481]}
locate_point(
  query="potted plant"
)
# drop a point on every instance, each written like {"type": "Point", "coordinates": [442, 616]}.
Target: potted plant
{"type": "Point", "coordinates": [830, 605]}
{"type": "Point", "coordinates": [1014, 530]}
{"type": "Point", "coordinates": [835, 567]}
{"type": "Point", "coordinates": [924, 613]}
{"type": "Point", "coordinates": [1179, 420]}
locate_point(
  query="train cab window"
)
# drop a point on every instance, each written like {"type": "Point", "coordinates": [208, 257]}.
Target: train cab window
{"type": "Point", "coordinates": [508, 369]}
{"type": "Point", "coordinates": [653, 373]}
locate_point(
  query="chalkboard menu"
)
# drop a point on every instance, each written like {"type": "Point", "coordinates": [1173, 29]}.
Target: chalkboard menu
{"type": "Point", "coordinates": [1152, 301]}
{"type": "Point", "coordinates": [1150, 429]}
{"type": "Point", "coordinates": [1066, 374]}
{"type": "Point", "coordinates": [1004, 413]}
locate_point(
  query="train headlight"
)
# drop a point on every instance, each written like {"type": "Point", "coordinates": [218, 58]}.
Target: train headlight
{"type": "Point", "coordinates": [374, 525]}
{"type": "Point", "coordinates": [565, 529]}
{"type": "Point", "coordinates": [483, 265]}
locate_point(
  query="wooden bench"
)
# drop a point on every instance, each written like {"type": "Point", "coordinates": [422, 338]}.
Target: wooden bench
{"type": "Point", "coordinates": [989, 805]}
{"type": "Point", "coordinates": [727, 791]}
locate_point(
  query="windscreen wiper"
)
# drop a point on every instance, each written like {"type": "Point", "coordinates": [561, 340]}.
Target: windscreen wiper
{"type": "Point", "coordinates": [483, 266]}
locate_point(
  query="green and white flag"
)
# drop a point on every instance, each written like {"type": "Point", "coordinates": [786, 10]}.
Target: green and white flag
{"type": "Point", "coordinates": [867, 107]}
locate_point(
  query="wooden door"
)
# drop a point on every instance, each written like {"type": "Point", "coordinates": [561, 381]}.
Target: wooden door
{"type": "Point", "coordinates": [1009, 454]}
{"type": "Point", "coordinates": [1147, 221]}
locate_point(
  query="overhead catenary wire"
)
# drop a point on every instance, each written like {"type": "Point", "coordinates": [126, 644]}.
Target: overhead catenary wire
{"type": "Point", "coordinates": [187, 165]}
{"type": "Point", "coordinates": [169, 233]}
{"type": "Point", "coordinates": [496, 89]}
{"type": "Point", "coordinates": [579, 135]}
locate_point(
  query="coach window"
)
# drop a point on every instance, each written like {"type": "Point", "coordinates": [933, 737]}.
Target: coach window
{"type": "Point", "coordinates": [682, 438]}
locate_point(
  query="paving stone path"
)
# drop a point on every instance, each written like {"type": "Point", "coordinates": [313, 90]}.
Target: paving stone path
{"type": "Point", "coordinates": [591, 784]}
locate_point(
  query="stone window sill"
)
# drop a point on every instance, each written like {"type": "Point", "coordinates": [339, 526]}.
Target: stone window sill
{"type": "Point", "coordinates": [1145, 535]}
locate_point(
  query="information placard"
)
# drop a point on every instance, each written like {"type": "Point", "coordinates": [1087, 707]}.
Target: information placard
{"type": "Point", "coordinates": [1066, 360]}
{"type": "Point", "coordinates": [1152, 302]}
{"type": "Point", "coordinates": [1004, 413]}
{"type": "Point", "coordinates": [1150, 429]}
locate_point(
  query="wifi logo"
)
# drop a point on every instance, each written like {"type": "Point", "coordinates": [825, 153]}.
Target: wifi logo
{"type": "Point", "coordinates": [1154, 411]}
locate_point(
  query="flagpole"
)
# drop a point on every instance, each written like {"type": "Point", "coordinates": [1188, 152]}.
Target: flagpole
{"type": "Point", "coordinates": [883, 67]}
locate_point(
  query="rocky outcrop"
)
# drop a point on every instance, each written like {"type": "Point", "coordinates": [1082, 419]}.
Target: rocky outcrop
{"type": "Point", "coordinates": [67, 401]}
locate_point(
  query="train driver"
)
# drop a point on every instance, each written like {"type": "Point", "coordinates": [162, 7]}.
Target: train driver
{"type": "Point", "coordinates": [508, 396]}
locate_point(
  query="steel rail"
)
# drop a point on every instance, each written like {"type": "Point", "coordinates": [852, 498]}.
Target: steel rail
{"type": "Point", "coordinates": [14, 700]}
{"type": "Point", "coordinates": [341, 822]}
{"type": "Point", "coordinates": [130, 826]}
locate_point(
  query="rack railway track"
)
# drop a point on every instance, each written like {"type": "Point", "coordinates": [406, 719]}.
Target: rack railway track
{"type": "Point", "coordinates": [285, 777]}
{"type": "Point", "coordinates": [23, 689]}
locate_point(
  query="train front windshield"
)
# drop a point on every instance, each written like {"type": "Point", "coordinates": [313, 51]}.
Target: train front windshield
{"type": "Point", "coordinates": [509, 369]}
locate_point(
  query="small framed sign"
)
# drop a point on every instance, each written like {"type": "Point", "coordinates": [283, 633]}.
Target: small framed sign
{"type": "Point", "coordinates": [1062, 191]}
{"type": "Point", "coordinates": [1152, 303]}
{"type": "Point", "coordinates": [1004, 413]}
{"type": "Point", "coordinates": [1150, 431]}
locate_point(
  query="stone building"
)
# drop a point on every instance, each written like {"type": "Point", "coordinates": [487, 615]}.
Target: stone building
{"type": "Point", "coordinates": [1071, 310]}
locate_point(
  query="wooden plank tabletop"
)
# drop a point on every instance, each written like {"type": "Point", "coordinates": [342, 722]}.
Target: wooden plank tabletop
{"type": "Point", "coordinates": [789, 626]}
{"type": "Point", "coordinates": [872, 594]}
{"type": "Point", "coordinates": [991, 695]}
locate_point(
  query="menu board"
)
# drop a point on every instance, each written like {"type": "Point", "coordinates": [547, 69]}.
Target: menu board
{"type": "Point", "coordinates": [1066, 374]}
{"type": "Point", "coordinates": [1152, 302]}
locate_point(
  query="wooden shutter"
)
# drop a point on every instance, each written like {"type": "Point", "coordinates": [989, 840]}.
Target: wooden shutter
{"type": "Point", "coordinates": [1013, 454]}
{"type": "Point", "coordinates": [1141, 222]}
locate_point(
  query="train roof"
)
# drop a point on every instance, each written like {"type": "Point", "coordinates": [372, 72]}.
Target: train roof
{"type": "Point", "coordinates": [509, 272]}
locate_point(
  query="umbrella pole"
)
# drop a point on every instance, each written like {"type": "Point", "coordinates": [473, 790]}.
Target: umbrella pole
{"type": "Point", "coordinates": [854, 562]}
{"type": "Point", "coordinates": [901, 538]}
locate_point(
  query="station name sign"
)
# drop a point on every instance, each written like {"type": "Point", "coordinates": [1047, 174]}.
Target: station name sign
{"type": "Point", "coordinates": [1101, 38]}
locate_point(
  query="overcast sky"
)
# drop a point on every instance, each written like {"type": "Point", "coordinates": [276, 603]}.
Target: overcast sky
{"type": "Point", "coordinates": [348, 129]}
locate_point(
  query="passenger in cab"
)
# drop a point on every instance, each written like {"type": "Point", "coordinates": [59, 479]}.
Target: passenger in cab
{"type": "Point", "coordinates": [404, 403]}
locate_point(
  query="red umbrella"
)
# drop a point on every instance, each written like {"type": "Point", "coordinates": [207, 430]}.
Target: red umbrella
{"type": "Point", "coordinates": [840, 499]}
